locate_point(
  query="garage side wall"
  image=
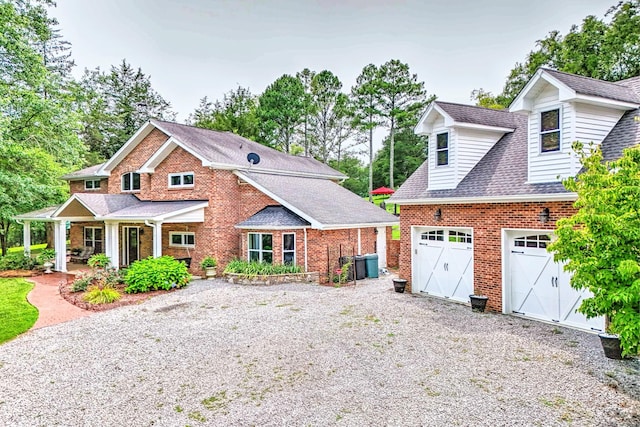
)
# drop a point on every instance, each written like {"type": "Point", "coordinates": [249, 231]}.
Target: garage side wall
{"type": "Point", "coordinates": [487, 221]}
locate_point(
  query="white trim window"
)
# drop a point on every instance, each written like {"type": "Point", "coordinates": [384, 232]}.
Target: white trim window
{"type": "Point", "coordinates": [289, 248]}
{"type": "Point", "coordinates": [181, 180]}
{"type": "Point", "coordinates": [91, 184]}
{"type": "Point", "coordinates": [550, 130]}
{"type": "Point", "coordinates": [442, 149]}
{"type": "Point", "coordinates": [260, 247]}
{"type": "Point", "coordinates": [182, 239]}
{"type": "Point", "coordinates": [93, 238]}
{"type": "Point", "coordinates": [131, 181]}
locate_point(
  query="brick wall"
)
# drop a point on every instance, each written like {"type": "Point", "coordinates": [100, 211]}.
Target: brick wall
{"type": "Point", "coordinates": [78, 187]}
{"type": "Point", "coordinates": [487, 221]}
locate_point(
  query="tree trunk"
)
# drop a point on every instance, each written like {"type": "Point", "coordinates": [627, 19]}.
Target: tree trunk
{"type": "Point", "coordinates": [391, 149]}
{"type": "Point", "coordinates": [370, 163]}
{"type": "Point", "coordinates": [4, 235]}
{"type": "Point", "coordinates": [50, 235]}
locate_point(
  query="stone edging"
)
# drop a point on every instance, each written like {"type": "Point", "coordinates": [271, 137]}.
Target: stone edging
{"type": "Point", "coordinates": [275, 279]}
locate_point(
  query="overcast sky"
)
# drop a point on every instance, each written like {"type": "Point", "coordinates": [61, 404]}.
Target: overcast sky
{"type": "Point", "coordinates": [193, 48]}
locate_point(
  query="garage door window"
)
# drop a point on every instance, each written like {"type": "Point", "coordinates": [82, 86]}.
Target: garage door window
{"type": "Point", "coordinates": [459, 236]}
{"type": "Point", "coordinates": [535, 241]}
{"type": "Point", "coordinates": [435, 235]}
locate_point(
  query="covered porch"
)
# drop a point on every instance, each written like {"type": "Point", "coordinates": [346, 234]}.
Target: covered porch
{"type": "Point", "coordinates": [121, 226]}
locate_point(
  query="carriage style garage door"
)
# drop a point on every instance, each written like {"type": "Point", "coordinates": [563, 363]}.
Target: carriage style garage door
{"type": "Point", "coordinates": [443, 262]}
{"type": "Point", "coordinates": [538, 287]}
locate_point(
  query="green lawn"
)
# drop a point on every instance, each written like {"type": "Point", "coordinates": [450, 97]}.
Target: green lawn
{"type": "Point", "coordinates": [34, 248]}
{"type": "Point", "coordinates": [395, 230]}
{"type": "Point", "coordinates": [16, 314]}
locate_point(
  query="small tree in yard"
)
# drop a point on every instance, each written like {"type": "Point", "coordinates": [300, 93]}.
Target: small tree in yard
{"type": "Point", "coordinates": [601, 242]}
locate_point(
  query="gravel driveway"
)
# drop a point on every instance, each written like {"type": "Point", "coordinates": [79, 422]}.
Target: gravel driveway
{"type": "Point", "coordinates": [220, 354]}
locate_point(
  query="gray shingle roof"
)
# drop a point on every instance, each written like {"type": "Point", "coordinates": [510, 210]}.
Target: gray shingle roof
{"type": "Point", "coordinates": [230, 149]}
{"type": "Point", "coordinates": [618, 91]}
{"type": "Point", "coordinates": [274, 216]}
{"type": "Point", "coordinates": [320, 201]}
{"type": "Point", "coordinates": [40, 214]}
{"type": "Point", "coordinates": [89, 172]}
{"type": "Point", "coordinates": [478, 115]}
{"type": "Point", "coordinates": [501, 172]}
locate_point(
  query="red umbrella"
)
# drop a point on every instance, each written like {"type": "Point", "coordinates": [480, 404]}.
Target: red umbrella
{"type": "Point", "coordinates": [382, 190]}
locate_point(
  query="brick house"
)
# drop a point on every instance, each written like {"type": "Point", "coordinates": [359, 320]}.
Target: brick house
{"type": "Point", "coordinates": [478, 214]}
{"type": "Point", "coordinates": [187, 192]}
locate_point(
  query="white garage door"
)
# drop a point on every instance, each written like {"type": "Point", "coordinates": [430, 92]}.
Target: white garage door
{"type": "Point", "coordinates": [539, 287]}
{"type": "Point", "coordinates": [443, 263]}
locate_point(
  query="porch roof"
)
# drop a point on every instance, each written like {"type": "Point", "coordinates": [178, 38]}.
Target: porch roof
{"type": "Point", "coordinates": [123, 207]}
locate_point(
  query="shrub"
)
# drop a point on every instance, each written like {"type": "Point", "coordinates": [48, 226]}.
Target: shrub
{"type": "Point", "coordinates": [101, 295]}
{"type": "Point", "coordinates": [109, 277]}
{"type": "Point", "coordinates": [151, 274]}
{"type": "Point", "coordinates": [45, 256]}
{"type": "Point", "coordinates": [81, 283]}
{"type": "Point", "coordinates": [98, 261]}
{"type": "Point", "coordinates": [16, 261]}
{"type": "Point", "coordinates": [254, 268]}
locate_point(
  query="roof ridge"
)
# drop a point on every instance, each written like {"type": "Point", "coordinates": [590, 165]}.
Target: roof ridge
{"type": "Point", "coordinates": [617, 83]}
{"type": "Point", "coordinates": [504, 110]}
{"type": "Point", "coordinates": [196, 127]}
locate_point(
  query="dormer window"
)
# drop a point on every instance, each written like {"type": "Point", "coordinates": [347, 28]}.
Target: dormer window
{"type": "Point", "coordinates": [181, 180]}
{"type": "Point", "coordinates": [131, 181]}
{"type": "Point", "coordinates": [442, 149]}
{"type": "Point", "coordinates": [550, 131]}
{"type": "Point", "coordinates": [92, 184]}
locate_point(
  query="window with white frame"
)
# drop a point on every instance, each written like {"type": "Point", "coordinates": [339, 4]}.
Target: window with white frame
{"type": "Point", "coordinates": [550, 131]}
{"type": "Point", "coordinates": [289, 248]}
{"type": "Point", "coordinates": [442, 149]}
{"type": "Point", "coordinates": [261, 247]}
{"type": "Point", "coordinates": [92, 184]}
{"type": "Point", "coordinates": [181, 180]}
{"type": "Point", "coordinates": [131, 181]}
{"type": "Point", "coordinates": [93, 238]}
{"type": "Point", "coordinates": [182, 239]}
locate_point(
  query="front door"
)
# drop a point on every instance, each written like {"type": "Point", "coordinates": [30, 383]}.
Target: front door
{"type": "Point", "coordinates": [131, 248]}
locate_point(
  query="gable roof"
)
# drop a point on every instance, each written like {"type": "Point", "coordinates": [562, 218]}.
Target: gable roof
{"type": "Point", "coordinates": [461, 115]}
{"type": "Point", "coordinates": [323, 203]}
{"type": "Point", "coordinates": [571, 87]}
{"type": "Point", "coordinates": [274, 217]}
{"type": "Point", "coordinates": [220, 150]}
{"type": "Point", "coordinates": [500, 175]}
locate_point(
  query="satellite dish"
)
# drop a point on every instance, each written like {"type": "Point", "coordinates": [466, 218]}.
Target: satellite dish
{"type": "Point", "coordinates": [253, 158]}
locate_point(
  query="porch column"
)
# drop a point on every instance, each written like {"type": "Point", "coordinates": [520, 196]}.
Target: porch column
{"type": "Point", "coordinates": [157, 239]}
{"type": "Point", "coordinates": [60, 244]}
{"type": "Point", "coordinates": [26, 237]}
{"type": "Point", "coordinates": [112, 243]}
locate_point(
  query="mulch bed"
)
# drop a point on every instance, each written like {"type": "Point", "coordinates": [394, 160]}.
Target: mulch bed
{"type": "Point", "coordinates": [76, 299]}
{"type": "Point", "coordinates": [18, 273]}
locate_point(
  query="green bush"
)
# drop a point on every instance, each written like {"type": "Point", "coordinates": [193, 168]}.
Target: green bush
{"type": "Point", "coordinates": [81, 283]}
{"type": "Point", "coordinates": [151, 274]}
{"type": "Point", "coordinates": [255, 268]}
{"type": "Point", "coordinates": [208, 262]}
{"type": "Point", "coordinates": [109, 277]}
{"type": "Point", "coordinates": [16, 261]}
{"type": "Point", "coordinates": [104, 295]}
{"type": "Point", "coordinates": [45, 256]}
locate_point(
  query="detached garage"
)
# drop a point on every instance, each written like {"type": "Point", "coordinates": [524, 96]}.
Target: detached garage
{"type": "Point", "coordinates": [537, 287]}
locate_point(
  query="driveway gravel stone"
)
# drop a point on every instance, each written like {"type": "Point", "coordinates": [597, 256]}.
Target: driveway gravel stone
{"type": "Point", "coordinates": [301, 354]}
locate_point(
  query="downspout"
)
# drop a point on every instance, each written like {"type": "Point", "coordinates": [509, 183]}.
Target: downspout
{"type": "Point", "coordinates": [306, 266]}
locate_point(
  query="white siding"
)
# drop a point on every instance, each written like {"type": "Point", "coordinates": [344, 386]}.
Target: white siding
{"type": "Point", "coordinates": [550, 166]}
{"type": "Point", "coordinates": [592, 125]}
{"type": "Point", "coordinates": [442, 177]}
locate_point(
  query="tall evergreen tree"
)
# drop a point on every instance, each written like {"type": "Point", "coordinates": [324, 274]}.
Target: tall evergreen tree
{"type": "Point", "coordinates": [306, 76]}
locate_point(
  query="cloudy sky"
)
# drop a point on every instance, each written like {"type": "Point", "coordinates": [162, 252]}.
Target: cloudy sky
{"type": "Point", "coordinates": [193, 48]}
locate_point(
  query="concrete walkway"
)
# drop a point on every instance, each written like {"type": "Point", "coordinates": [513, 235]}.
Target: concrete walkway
{"type": "Point", "coordinates": [53, 309]}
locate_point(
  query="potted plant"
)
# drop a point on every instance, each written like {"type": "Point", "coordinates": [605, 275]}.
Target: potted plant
{"type": "Point", "coordinates": [47, 257]}
{"type": "Point", "coordinates": [599, 243]}
{"type": "Point", "coordinates": [209, 264]}
{"type": "Point", "coordinates": [610, 342]}
{"type": "Point", "coordinates": [478, 302]}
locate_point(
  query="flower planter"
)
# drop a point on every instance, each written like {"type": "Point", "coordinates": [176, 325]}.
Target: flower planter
{"type": "Point", "coordinates": [210, 272]}
{"type": "Point", "coordinates": [48, 266]}
{"type": "Point", "coordinates": [611, 345]}
{"type": "Point", "coordinates": [399, 285]}
{"type": "Point", "coordinates": [478, 303]}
